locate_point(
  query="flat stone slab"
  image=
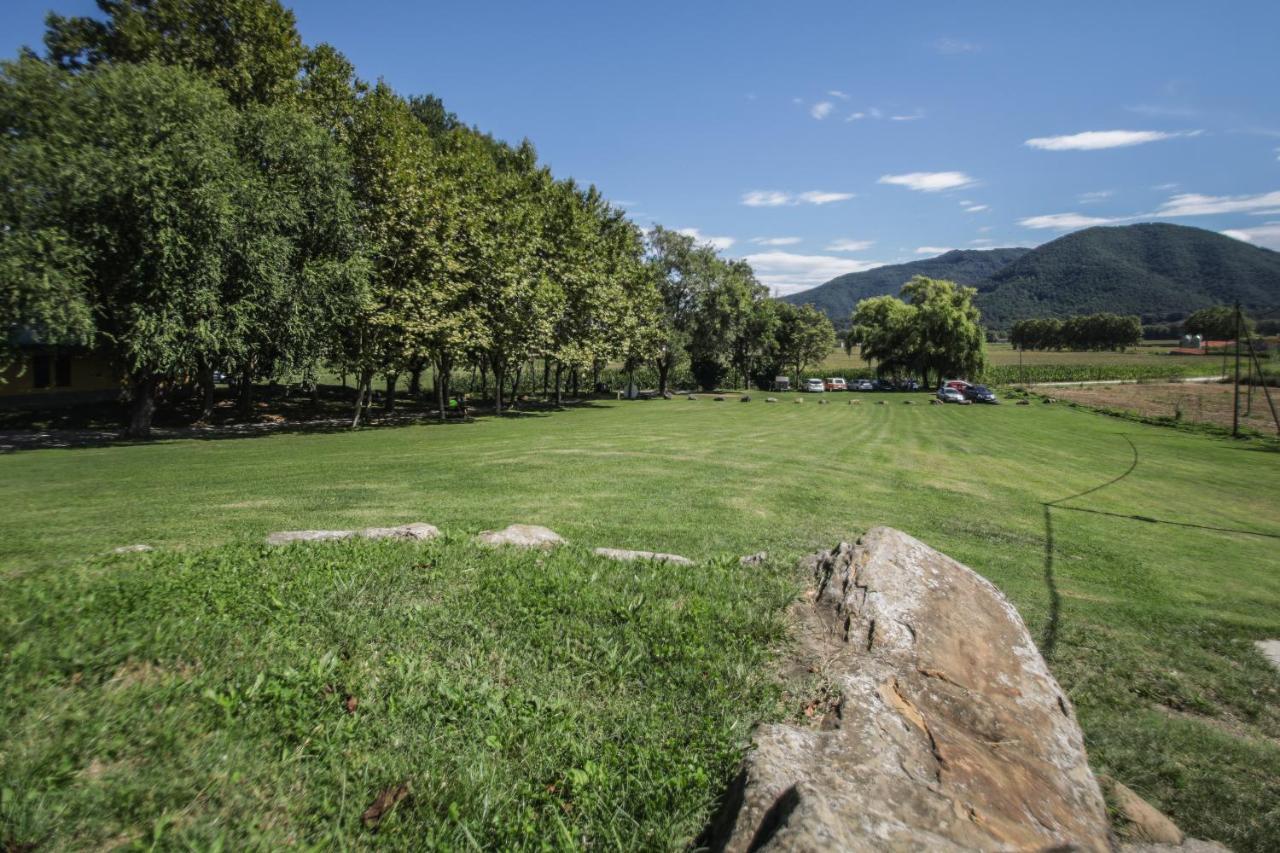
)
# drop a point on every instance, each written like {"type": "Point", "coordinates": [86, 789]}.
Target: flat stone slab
{"type": "Point", "coordinates": [132, 549]}
{"type": "Point", "coordinates": [1270, 650]}
{"type": "Point", "coordinates": [623, 554]}
{"type": "Point", "coordinates": [756, 559]}
{"type": "Point", "coordinates": [418, 530]}
{"type": "Point", "coordinates": [522, 536]}
{"type": "Point", "coordinates": [285, 537]}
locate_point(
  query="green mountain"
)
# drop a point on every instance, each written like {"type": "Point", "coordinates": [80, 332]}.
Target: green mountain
{"type": "Point", "coordinates": [1155, 270]}
{"type": "Point", "coordinates": [838, 297]}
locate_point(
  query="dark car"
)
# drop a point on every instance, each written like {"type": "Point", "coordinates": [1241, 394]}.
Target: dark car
{"type": "Point", "coordinates": [908, 385]}
{"type": "Point", "coordinates": [980, 394]}
{"type": "Point", "coordinates": [882, 385]}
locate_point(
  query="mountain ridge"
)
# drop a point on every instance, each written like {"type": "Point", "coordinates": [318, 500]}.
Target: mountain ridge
{"type": "Point", "coordinates": [1155, 270]}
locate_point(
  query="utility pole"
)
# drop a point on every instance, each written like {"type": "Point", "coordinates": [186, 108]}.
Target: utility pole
{"type": "Point", "coordinates": [1235, 407]}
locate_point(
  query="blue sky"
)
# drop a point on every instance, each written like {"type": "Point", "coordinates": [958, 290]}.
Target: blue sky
{"type": "Point", "coordinates": [820, 138]}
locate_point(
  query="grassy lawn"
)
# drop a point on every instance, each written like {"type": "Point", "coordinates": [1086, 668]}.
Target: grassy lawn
{"type": "Point", "coordinates": [1147, 601]}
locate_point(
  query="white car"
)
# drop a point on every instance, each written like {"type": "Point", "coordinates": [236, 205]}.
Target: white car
{"type": "Point", "coordinates": [815, 385]}
{"type": "Point", "coordinates": [947, 394]}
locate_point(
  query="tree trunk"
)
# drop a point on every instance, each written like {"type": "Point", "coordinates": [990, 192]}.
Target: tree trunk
{"type": "Point", "coordinates": [664, 367]}
{"type": "Point", "coordinates": [208, 390]}
{"type": "Point", "coordinates": [244, 407]}
{"type": "Point", "coordinates": [575, 374]}
{"type": "Point", "coordinates": [559, 371]}
{"type": "Point", "coordinates": [546, 376]}
{"type": "Point", "coordinates": [515, 388]}
{"type": "Point", "coordinates": [142, 407]}
{"type": "Point", "coordinates": [444, 368]}
{"type": "Point", "coordinates": [389, 404]}
{"type": "Point", "coordinates": [364, 388]}
{"type": "Point", "coordinates": [415, 381]}
{"type": "Point", "coordinates": [484, 381]}
{"type": "Point", "coordinates": [499, 373]}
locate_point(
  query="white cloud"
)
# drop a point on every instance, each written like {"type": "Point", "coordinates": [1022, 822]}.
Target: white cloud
{"type": "Point", "coordinates": [765, 198]}
{"type": "Point", "coordinates": [1194, 204]}
{"type": "Point", "coordinates": [850, 245]}
{"type": "Point", "coordinates": [1173, 186]}
{"type": "Point", "coordinates": [821, 109]}
{"type": "Point", "coordinates": [820, 197]}
{"type": "Point", "coordinates": [953, 46]}
{"type": "Point", "coordinates": [1093, 140]}
{"type": "Point", "coordinates": [784, 272]}
{"type": "Point", "coordinates": [777, 241]}
{"type": "Point", "coordinates": [984, 241]}
{"type": "Point", "coordinates": [912, 117]}
{"type": "Point", "coordinates": [929, 182]}
{"type": "Point", "coordinates": [874, 112]}
{"type": "Point", "coordinates": [775, 198]}
{"type": "Point", "coordinates": [974, 208]}
{"type": "Point", "coordinates": [856, 116]}
{"type": "Point", "coordinates": [1096, 196]}
{"type": "Point", "coordinates": [1267, 234]}
{"type": "Point", "coordinates": [836, 93]}
{"type": "Point", "coordinates": [1064, 221]}
{"type": "Point", "coordinates": [717, 243]}
{"type": "Point", "coordinates": [933, 250]}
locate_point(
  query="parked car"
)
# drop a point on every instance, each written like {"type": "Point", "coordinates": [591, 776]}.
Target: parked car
{"type": "Point", "coordinates": [908, 384]}
{"type": "Point", "coordinates": [815, 385]}
{"type": "Point", "coordinates": [979, 394]}
{"type": "Point", "coordinates": [882, 385]}
{"type": "Point", "coordinates": [947, 394]}
{"type": "Point", "coordinates": [836, 383]}
{"type": "Point", "coordinates": [862, 385]}
{"type": "Point", "coordinates": [958, 384]}
{"type": "Point", "coordinates": [781, 383]}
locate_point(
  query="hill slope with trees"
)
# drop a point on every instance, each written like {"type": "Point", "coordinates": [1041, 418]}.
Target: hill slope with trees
{"type": "Point", "coordinates": [838, 297]}
{"type": "Point", "coordinates": [1154, 270]}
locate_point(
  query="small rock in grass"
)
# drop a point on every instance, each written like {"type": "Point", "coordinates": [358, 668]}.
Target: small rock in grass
{"type": "Point", "coordinates": [1049, 400]}
{"type": "Point", "coordinates": [522, 536]}
{"type": "Point", "coordinates": [799, 400]}
{"type": "Point", "coordinates": [418, 530]}
{"type": "Point", "coordinates": [744, 399]}
{"type": "Point", "coordinates": [1270, 650]}
{"type": "Point", "coordinates": [132, 549]}
{"type": "Point", "coordinates": [626, 555]}
{"type": "Point", "coordinates": [284, 537]}
{"type": "Point", "coordinates": [880, 402]}
{"type": "Point", "coordinates": [719, 399]}
{"type": "Point", "coordinates": [1024, 403]}
{"type": "Point", "coordinates": [755, 559]}
{"type": "Point", "coordinates": [693, 396]}
{"type": "Point", "coordinates": [823, 401]}
{"type": "Point", "coordinates": [935, 402]}
{"type": "Point", "coordinates": [771, 399]}
{"type": "Point", "coordinates": [855, 402]}
{"type": "Point", "coordinates": [908, 402]}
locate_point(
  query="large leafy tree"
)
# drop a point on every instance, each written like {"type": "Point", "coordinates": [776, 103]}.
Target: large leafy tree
{"type": "Point", "coordinates": [127, 214]}
{"type": "Point", "coordinates": [1216, 323]}
{"type": "Point", "coordinates": [682, 271]}
{"type": "Point", "coordinates": [249, 48]}
{"type": "Point", "coordinates": [805, 336]}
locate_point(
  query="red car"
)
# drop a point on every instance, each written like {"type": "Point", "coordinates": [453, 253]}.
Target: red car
{"type": "Point", "coordinates": [836, 383]}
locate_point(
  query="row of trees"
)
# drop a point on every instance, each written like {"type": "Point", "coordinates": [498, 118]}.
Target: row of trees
{"type": "Point", "coordinates": [1084, 332]}
{"type": "Point", "coordinates": [933, 333]}
{"type": "Point", "coordinates": [191, 188]}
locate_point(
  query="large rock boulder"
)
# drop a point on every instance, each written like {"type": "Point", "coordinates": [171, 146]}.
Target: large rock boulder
{"type": "Point", "coordinates": [418, 530]}
{"type": "Point", "coordinates": [286, 537]}
{"type": "Point", "coordinates": [936, 726]}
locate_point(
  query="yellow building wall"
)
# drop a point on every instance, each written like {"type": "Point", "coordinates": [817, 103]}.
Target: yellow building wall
{"type": "Point", "coordinates": [89, 372]}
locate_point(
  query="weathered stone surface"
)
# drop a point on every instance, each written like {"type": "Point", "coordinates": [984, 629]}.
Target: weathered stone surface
{"type": "Point", "coordinates": [745, 398]}
{"type": "Point", "coordinates": [756, 559]}
{"type": "Point", "coordinates": [693, 396]}
{"type": "Point", "coordinates": [935, 402]}
{"type": "Point", "coordinates": [1024, 403]}
{"type": "Point", "coordinates": [822, 401]}
{"type": "Point", "coordinates": [284, 537]}
{"type": "Point", "coordinates": [623, 554]}
{"type": "Point", "coordinates": [522, 536]}
{"type": "Point", "coordinates": [1270, 650]}
{"type": "Point", "coordinates": [418, 530]}
{"type": "Point", "coordinates": [719, 398]}
{"type": "Point", "coordinates": [771, 399]}
{"type": "Point", "coordinates": [1143, 822]}
{"type": "Point", "coordinates": [1191, 845]}
{"type": "Point", "coordinates": [132, 549]}
{"type": "Point", "coordinates": [939, 726]}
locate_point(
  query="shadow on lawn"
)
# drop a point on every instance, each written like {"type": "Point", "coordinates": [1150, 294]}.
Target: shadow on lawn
{"type": "Point", "coordinates": [1049, 639]}
{"type": "Point", "coordinates": [96, 426]}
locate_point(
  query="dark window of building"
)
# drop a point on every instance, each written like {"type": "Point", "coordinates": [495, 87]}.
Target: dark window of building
{"type": "Point", "coordinates": [40, 365]}
{"type": "Point", "coordinates": [62, 371]}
